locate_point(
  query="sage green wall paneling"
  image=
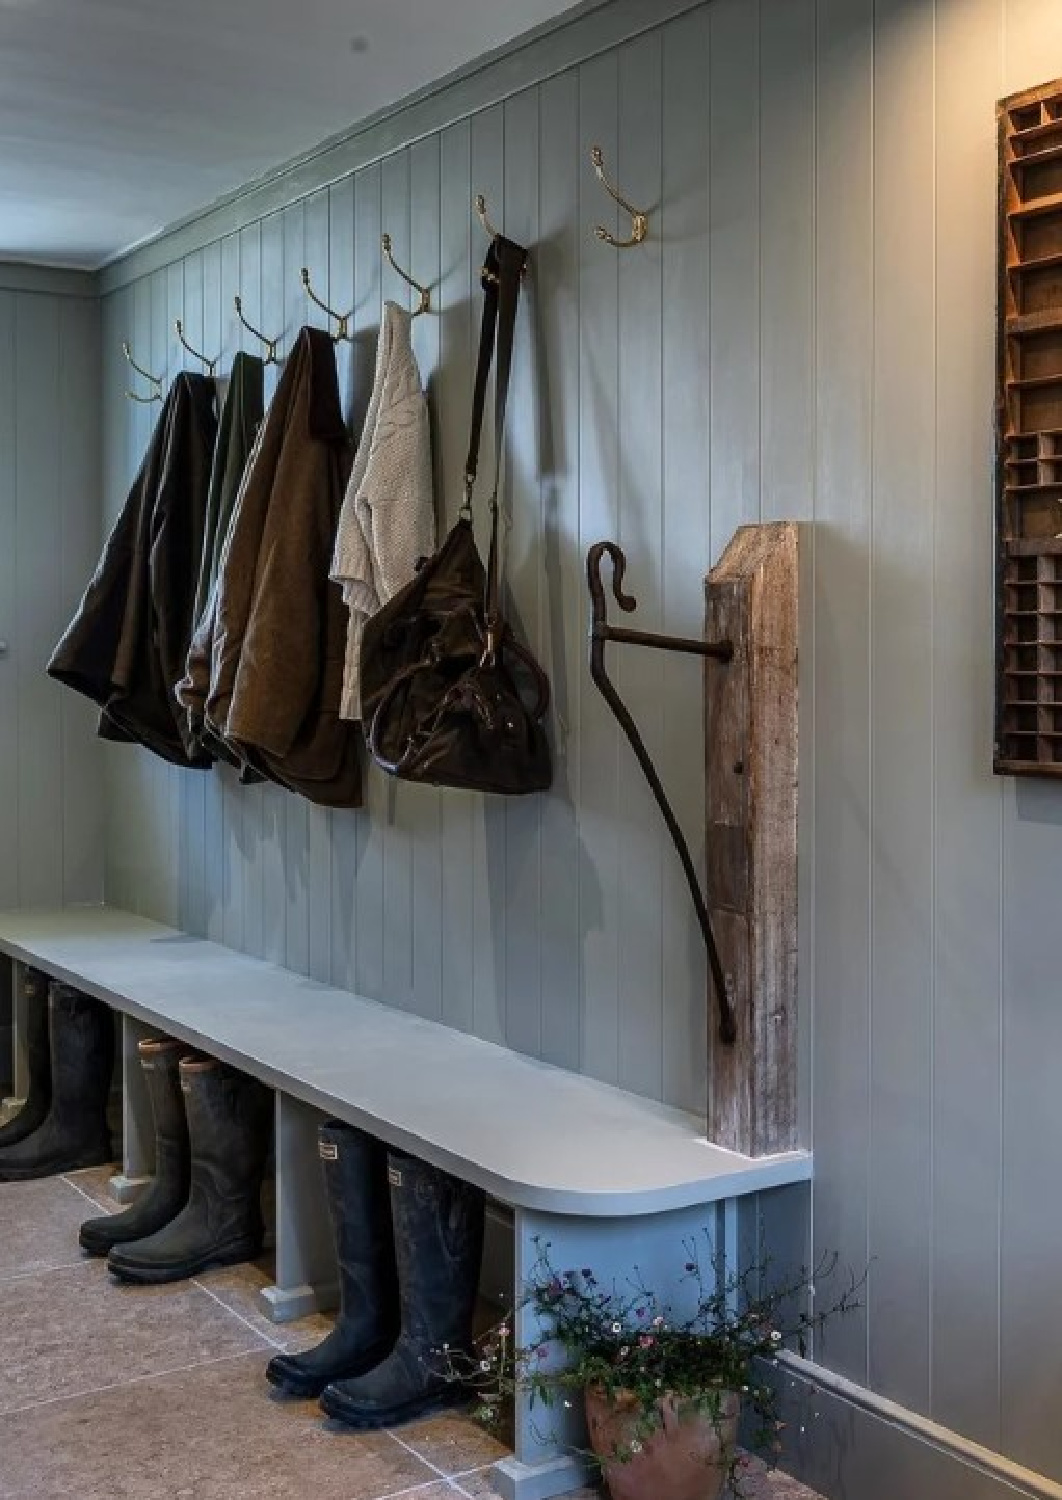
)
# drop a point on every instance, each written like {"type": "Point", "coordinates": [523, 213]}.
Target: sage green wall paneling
{"type": "Point", "coordinates": [317, 238]}
{"type": "Point", "coordinates": [685, 548]}
{"type": "Point", "coordinates": [51, 820]}
{"type": "Point", "coordinates": [402, 809]}
{"type": "Point", "coordinates": [305, 243]}
{"type": "Point", "coordinates": [218, 341]}
{"type": "Point", "coordinates": [967, 1072]}
{"type": "Point", "coordinates": [420, 256]}
{"type": "Point", "coordinates": [901, 687]}
{"type": "Point", "coordinates": [787, 395]}
{"type": "Point", "coordinates": [1032, 1017]}
{"type": "Point", "coordinates": [369, 828]}
{"type": "Point", "coordinates": [637, 164]}
{"type": "Point", "coordinates": [597, 416]}
{"type": "Point", "coordinates": [520, 889]}
{"type": "Point", "coordinates": [272, 831]}
{"type": "Point", "coordinates": [344, 841]}
{"type": "Point", "coordinates": [491, 919]}
{"type": "Point", "coordinates": [554, 320]}
{"type": "Point", "coordinates": [81, 438]}
{"type": "Point", "coordinates": [192, 789]}
{"type": "Point", "coordinates": [461, 251]}
{"type": "Point", "coordinates": [843, 379]}
{"type": "Point", "coordinates": [38, 528]}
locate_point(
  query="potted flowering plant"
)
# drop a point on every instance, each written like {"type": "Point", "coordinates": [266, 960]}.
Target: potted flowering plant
{"type": "Point", "coordinates": [662, 1393]}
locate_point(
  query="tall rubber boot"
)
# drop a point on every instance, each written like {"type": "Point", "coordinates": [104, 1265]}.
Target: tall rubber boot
{"type": "Point", "coordinates": [229, 1118]}
{"type": "Point", "coordinates": [359, 1201]}
{"type": "Point", "coordinates": [160, 1203]}
{"type": "Point", "coordinates": [38, 1063]}
{"type": "Point", "coordinates": [438, 1224]}
{"type": "Point", "coordinates": [74, 1133]}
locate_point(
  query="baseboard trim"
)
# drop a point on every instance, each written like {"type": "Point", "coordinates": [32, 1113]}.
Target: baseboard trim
{"type": "Point", "coordinates": [862, 1444]}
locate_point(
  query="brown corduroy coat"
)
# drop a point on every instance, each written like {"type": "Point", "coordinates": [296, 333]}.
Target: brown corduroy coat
{"type": "Point", "coordinates": [272, 670]}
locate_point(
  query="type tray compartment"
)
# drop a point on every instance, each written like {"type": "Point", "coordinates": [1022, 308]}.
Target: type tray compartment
{"type": "Point", "coordinates": [1028, 737]}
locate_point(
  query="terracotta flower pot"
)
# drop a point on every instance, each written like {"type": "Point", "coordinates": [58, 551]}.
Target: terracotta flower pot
{"type": "Point", "coordinates": [686, 1460]}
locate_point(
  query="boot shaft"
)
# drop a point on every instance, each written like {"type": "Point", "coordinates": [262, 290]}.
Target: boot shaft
{"type": "Point", "coordinates": [359, 1204]}
{"type": "Point", "coordinates": [160, 1060]}
{"type": "Point", "coordinates": [81, 1035]}
{"type": "Point", "coordinates": [438, 1226]}
{"type": "Point", "coordinates": [229, 1125]}
{"type": "Point", "coordinates": [35, 987]}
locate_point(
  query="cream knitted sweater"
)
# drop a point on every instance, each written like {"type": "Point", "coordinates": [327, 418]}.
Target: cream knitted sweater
{"type": "Point", "coordinates": [387, 521]}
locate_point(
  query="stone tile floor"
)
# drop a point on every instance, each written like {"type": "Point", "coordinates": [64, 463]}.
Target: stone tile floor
{"type": "Point", "coordinates": [123, 1393]}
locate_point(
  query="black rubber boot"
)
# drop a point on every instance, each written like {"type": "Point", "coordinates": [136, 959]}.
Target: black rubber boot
{"type": "Point", "coordinates": [75, 1132]}
{"type": "Point", "coordinates": [229, 1117]}
{"type": "Point", "coordinates": [38, 1063]}
{"type": "Point", "coordinates": [160, 1203]}
{"type": "Point", "coordinates": [438, 1224]}
{"type": "Point", "coordinates": [359, 1200]}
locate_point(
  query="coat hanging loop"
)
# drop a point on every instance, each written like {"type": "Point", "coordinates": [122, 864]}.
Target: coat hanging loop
{"type": "Point", "coordinates": [423, 292]}
{"type": "Point", "coordinates": [211, 364]}
{"type": "Point", "coordinates": [639, 217]}
{"type": "Point", "coordinates": [600, 633]}
{"type": "Point", "coordinates": [156, 394]}
{"type": "Point", "coordinates": [343, 319]}
{"type": "Point", "coordinates": [271, 344]}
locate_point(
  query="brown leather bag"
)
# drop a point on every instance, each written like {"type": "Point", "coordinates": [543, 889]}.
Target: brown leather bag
{"type": "Point", "coordinates": [441, 671]}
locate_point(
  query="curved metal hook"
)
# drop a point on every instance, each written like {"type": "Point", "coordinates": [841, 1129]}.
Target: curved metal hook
{"type": "Point", "coordinates": [600, 633]}
{"type": "Point", "coordinates": [422, 291]}
{"type": "Point", "coordinates": [156, 394]}
{"type": "Point", "coordinates": [271, 344]}
{"type": "Point", "coordinates": [210, 363]}
{"type": "Point", "coordinates": [481, 210]}
{"type": "Point", "coordinates": [639, 217]}
{"type": "Point", "coordinates": [343, 319]}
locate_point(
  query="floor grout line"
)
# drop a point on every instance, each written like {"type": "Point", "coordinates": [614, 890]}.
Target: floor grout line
{"type": "Point", "coordinates": [273, 1343]}
{"type": "Point", "coordinates": [103, 1207]}
{"type": "Point", "coordinates": [426, 1461]}
{"type": "Point", "coordinates": [118, 1385]}
{"type": "Point", "coordinates": [66, 1265]}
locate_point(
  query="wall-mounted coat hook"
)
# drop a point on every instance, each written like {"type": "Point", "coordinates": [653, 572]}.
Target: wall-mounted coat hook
{"type": "Point", "coordinates": [271, 344]}
{"type": "Point", "coordinates": [343, 319]}
{"type": "Point", "coordinates": [481, 209]}
{"type": "Point", "coordinates": [600, 633]}
{"type": "Point", "coordinates": [156, 394]}
{"type": "Point", "coordinates": [639, 217]}
{"type": "Point", "coordinates": [423, 292]}
{"type": "Point", "coordinates": [211, 364]}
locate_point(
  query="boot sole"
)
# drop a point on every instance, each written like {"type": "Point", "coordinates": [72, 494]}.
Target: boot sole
{"type": "Point", "coordinates": [54, 1169]}
{"type": "Point", "coordinates": [161, 1275]}
{"type": "Point", "coordinates": [308, 1388]}
{"type": "Point", "coordinates": [392, 1416]}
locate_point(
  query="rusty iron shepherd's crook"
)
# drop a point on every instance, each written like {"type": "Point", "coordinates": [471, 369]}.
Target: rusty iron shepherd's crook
{"type": "Point", "coordinates": [601, 632]}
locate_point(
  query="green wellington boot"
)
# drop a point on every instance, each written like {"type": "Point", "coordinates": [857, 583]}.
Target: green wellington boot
{"type": "Point", "coordinates": [74, 1133]}
{"type": "Point", "coordinates": [438, 1222]}
{"type": "Point", "coordinates": [160, 1203]}
{"type": "Point", "coordinates": [229, 1130]}
{"type": "Point", "coordinates": [359, 1201]}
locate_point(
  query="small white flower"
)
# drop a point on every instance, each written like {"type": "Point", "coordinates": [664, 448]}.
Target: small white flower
{"type": "Point", "coordinates": [624, 1352]}
{"type": "Point", "coordinates": [567, 1406]}
{"type": "Point", "coordinates": [484, 1364]}
{"type": "Point", "coordinates": [636, 1446]}
{"type": "Point", "coordinates": [776, 1337]}
{"type": "Point", "coordinates": [617, 1328]}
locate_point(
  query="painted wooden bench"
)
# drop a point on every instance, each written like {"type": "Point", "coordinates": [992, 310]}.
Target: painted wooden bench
{"type": "Point", "coordinates": [608, 1177]}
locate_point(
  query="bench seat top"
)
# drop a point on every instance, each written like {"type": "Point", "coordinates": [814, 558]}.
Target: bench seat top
{"type": "Point", "coordinates": [533, 1135]}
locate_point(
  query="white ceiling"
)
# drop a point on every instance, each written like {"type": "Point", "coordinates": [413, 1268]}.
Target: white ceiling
{"type": "Point", "coordinates": [118, 117]}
